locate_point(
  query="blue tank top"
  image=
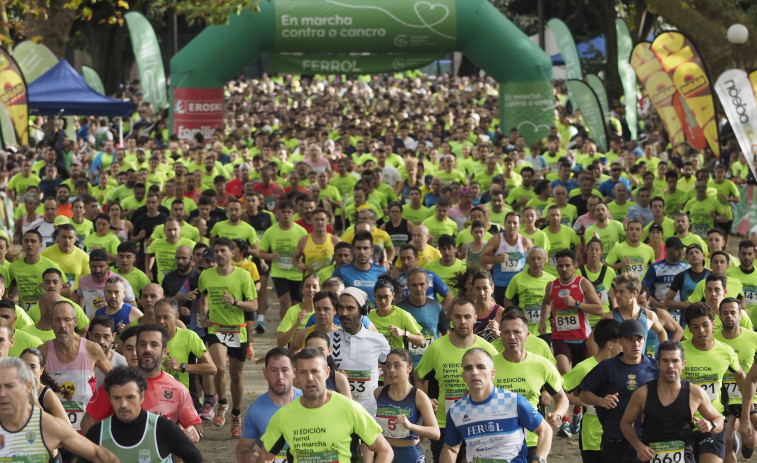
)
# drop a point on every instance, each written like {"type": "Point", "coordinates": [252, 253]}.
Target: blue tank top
{"type": "Point", "coordinates": [122, 316]}
{"type": "Point", "coordinates": [652, 341]}
{"type": "Point", "coordinates": [389, 409]}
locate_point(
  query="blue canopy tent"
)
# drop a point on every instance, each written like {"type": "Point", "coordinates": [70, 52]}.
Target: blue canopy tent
{"type": "Point", "coordinates": [61, 91]}
{"type": "Point", "coordinates": [589, 50]}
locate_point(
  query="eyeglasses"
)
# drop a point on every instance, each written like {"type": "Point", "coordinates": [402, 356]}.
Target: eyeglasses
{"type": "Point", "coordinates": [384, 297]}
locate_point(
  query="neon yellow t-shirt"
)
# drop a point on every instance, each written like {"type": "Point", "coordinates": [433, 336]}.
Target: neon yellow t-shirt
{"type": "Point", "coordinates": [28, 278]}
{"type": "Point", "coordinates": [165, 254]}
{"type": "Point", "coordinates": [527, 292]}
{"type": "Point", "coordinates": [745, 346]}
{"type": "Point", "coordinates": [399, 318]}
{"type": "Point", "coordinates": [74, 265]}
{"type": "Point", "coordinates": [241, 231]}
{"type": "Point", "coordinates": [183, 343]}
{"type": "Point", "coordinates": [284, 242]}
{"type": "Point", "coordinates": [707, 368]}
{"type": "Point", "coordinates": [641, 257]}
{"type": "Point", "coordinates": [227, 319]}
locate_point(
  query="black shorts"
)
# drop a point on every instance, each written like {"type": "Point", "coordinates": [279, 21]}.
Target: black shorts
{"type": "Point", "coordinates": [256, 261]}
{"type": "Point", "coordinates": [283, 286]}
{"type": "Point", "coordinates": [725, 226]}
{"type": "Point", "coordinates": [239, 353]}
{"type": "Point", "coordinates": [576, 352]}
{"type": "Point", "coordinates": [735, 410]}
{"type": "Point", "coordinates": [709, 443]}
{"type": "Point", "coordinates": [617, 451]}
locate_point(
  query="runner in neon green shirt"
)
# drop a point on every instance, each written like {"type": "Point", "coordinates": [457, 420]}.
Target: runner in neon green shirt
{"type": "Point", "coordinates": [163, 251]}
{"type": "Point", "coordinates": [226, 292]}
{"type": "Point", "coordinates": [525, 373]}
{"type": "Point", "coordinates": [600, 275]}
{"type": "Point", "coordinates": [127, 255]}
{"type": "Point", "coordinates": [234, 228]}
{"type": "Point", "coordinates": [529, 230]}
{"type": "Point", "coordinates": [444, 356]}
{"type": "Point", "coordinates": [414, 210]}
{"type": "Point", "coordinates": [527, 288]}
{"type": "Point", "coordinates": [103, 238]}
{"type": "Point", "coordinates": [703, 211]}
{"type": "Point", "coordinates": [707, 359]}
{"type": "Point", "coordinates": [26, 273]}
{"type": "Point", "coordinates": [620, 206]}
{"type": "Point", "coordinates": [448, 265]}
{"type": "Point", "coordinates": [745, 274]}
{"type": "Point", "coordinates": [631, 255]}
{"type": "Point", "coordinates": [322, 425]}
{"type": "Point", "coordinates": [744, 343]}
{"type": "Point", "coordinates": [439, 224]}
{"type": "Point", "coordinates": [394, 323]}
{"type": "Point", "coordinates": [609, 232]}
{"type": "Point", "coordinates": [560, 237]}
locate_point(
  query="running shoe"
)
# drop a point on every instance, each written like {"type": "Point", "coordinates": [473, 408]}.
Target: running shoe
{"type": "Point", "coordinates": [575, 423]}
{"type": "Point", "coordinates": [236, 426]}
{"type": "Point", "coordinates": [206, 412]}
{"type": "Point", "coordinates": [250, 352]}
{"type": "Point", "coordinates": [564, 430]}
{"type": "Point", "coordinates": [736, 442]}
{"type": "Point", "coordinates": [260, 328]}
{"type": "Point", "coordinates": [220, 416]}
{"type": "Point", "coordinates": [747, 451]}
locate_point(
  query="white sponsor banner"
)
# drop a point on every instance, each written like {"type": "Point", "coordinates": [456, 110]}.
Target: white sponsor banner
{"type": "Point", "coordinates": [737, 97]}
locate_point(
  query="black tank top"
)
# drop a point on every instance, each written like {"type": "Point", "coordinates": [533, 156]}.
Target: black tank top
{"type": "Point", "coordinates": [481, 328]}
{"type": "Point", "coordinates": [667, 423]}
{"type": "Point", "coordinates": [399, 235]}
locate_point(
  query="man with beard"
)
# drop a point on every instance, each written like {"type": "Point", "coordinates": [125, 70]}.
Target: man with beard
{"type": "Point", "coordinates": [671, 423]}
{"type": "Point", "coordinates": [71, 360]}
{"type": "Point", "coordinates": [235, 228]}
{"type": "Point", "coordinates": [134, 434]}
{"type": "Point", "coordinates": [165, 396]}
{"type": "Point", "coordinates": [91, 290]}
{"type": "Point", "coordinates": [358, 350]}
{"type": "Point", "coordinates": [181, 283]}
{"type": "Point", "coordinates": [323, 416]}
{"type": "Point", "coordinates": [121, 314]}
{"type": "Point", "coordinates": [682, 224]}
{"type": "Point", "coordinates": [279, 372]}
{"type": "Point", "coordinates": [101, 332]}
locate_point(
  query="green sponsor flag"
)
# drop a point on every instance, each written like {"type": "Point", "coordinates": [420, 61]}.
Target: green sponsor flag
{"type": "Point", "coordinates": [587, 102]}
{"type": "Point", "coordinates": [149, 60]}
{"type": "Point", "coordinates": [92, 78]}
{"type": "Point", "coordinates": [567, 47]}
{"type": "Point", "coordinates": [527, 106]}
{"type": "Point", "coordinates": [34, 59]}
{"type": "Point", "coordinates": [627, 74]}
{"type": "Point", "coordinates": [350, 64]}
{"type": "Point", "coordinates": [598, 86]}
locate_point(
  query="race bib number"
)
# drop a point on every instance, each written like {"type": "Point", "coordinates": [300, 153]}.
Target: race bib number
{"type": "Point", "coordinates": [359, 383]}
{"type": "Point", "coordinates": [419, 350]}
{"type": "Point", "coordinates": [533, 316]}
{"type": "Point", "coordinates": [667, 452]}
{"type": "Point", "coordinates": [451, 396]}
{"type": "Point", "coordinates": [710, 385]}
{"type": "Point", "coordinates": [751, 297]}
{"type": "Point", "coordinates": [229, 336]}
{"type": "Point", "coordinates": [567, 320]}
{"type": "Point", "coordinates": [732, 388]}
{"type": "Point", "coordinates": [75, 412]}
{"type": "Point", "coordinates": [552, 261]}
{"type": "Point", "coordinates": [676, 314]}
{"type": "Point", "coordinates": [513, 263]}
{"type": "Point", "coordinates": [327, 456]}
{"type": "Point", "coordinates": [285, 262]}
{"type": "Point", "coordinates": [29, 304]}
{"type": "Point", "coordinates": [602, 293]}
{"type": "Point", "coordinates": [635, 268]}
{"type": "Point", "coordinates": [701, 230]}
{"type": "Point", "coordinates": [387, 419]}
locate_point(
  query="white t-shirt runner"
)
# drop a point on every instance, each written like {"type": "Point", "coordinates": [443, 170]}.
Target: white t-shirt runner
{"type": "Point", "coordinates": [358, 356]}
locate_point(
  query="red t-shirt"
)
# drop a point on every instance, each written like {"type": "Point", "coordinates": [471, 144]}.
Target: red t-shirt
{"type": "Point", "coordinates": [309, 228]}
{"type": "Point", "coordinates": [165, 396]}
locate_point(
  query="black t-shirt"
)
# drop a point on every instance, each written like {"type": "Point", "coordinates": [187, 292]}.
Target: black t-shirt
{"type": "Point", "coordinates": [143, 210]}
{"type": "Point", "coordinates": [170, 438]}
{"type": "Point", "coordinates": [148, 224]}
{"type": "Point", "coordinates": [173, 282]}
{"type": "Point", "coordinates": [260, 222]}
{"type": "Point", "coordinates": [580, 204]}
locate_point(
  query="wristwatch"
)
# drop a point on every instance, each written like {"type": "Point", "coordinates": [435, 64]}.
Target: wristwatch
{"type": "Point", "coordinates": [539, 459]}
{"type": "Point", "coordinates": [713, 424]}
{"type": "Point", "coordinates": [183, 367]}
{"type": "Point", "coordinates": [236, 301]}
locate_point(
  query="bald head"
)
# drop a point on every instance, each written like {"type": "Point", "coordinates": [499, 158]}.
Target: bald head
{"type": "Point", "coordinates": [150, 294]}
{"type": "Point", "coordinates": [47, 300]}
{"type": "Point", "coordinates": [184, 260]}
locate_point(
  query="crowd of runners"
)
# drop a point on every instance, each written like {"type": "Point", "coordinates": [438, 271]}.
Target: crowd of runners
{"type": "Point", "coordinates": [443, 285]}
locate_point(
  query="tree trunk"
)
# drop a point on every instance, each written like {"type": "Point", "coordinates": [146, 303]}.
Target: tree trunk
{"type": "Point", "coordinates": [606, 16]}
{"type": "Point", "coordinates": [109, 57]}
{"type": "Point", "coordinates": [55, 30]}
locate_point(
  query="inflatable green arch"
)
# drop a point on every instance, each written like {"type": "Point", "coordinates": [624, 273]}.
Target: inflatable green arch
{"type": "Point", "coordinates": [318, 36]}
